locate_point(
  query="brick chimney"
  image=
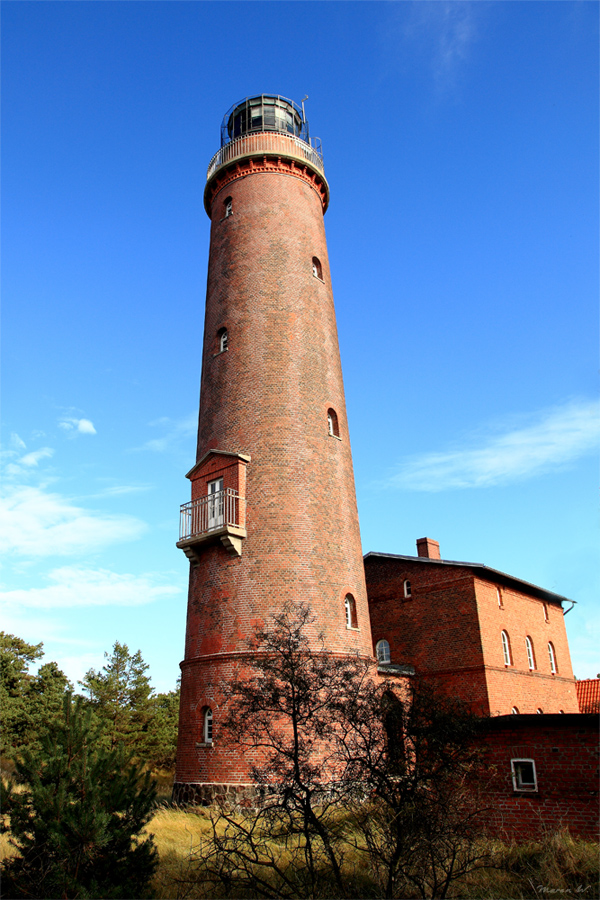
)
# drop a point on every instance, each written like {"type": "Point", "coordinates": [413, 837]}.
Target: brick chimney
{"type": "Point", "coordinates": [429, 548]}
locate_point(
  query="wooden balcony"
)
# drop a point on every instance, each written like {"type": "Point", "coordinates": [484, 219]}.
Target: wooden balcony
{"type": "Point", "coordinates": [219, 517]}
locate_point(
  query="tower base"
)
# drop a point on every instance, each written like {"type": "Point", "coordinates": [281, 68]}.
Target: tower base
{"type": "Point", "coordinates": [214, 794]}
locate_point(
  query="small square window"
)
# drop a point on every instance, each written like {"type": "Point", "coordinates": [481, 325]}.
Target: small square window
{"type": "Point", "coordinates": [523, 775]}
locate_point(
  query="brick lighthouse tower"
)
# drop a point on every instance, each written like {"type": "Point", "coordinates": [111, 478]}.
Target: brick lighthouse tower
{"type": "Point", "coordinates": [273, 513]}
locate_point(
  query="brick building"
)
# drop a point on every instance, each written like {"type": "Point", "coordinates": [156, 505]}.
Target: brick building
{"type": "Point", "coordinates": [488, 638]}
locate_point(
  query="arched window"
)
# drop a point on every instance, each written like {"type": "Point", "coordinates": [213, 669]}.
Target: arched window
{"type": "Point", "coordinates": [506, 649]}
{"type": "Point", "coordinates": [332, 423]}
{"type": "Point", "coordinates": [552, 655]}
{"type": "Point", "coordinates": [228, 207]}
{"type": "Point", "coordinates": [350, 606]}
{"type": "Point", "coordinates": [223, 339]}
{"type": "Point", "coordinates": [545, 605]}
{"type": "Point", "coordinates": [317, 268]}
{"type": "Point", "coordinates": [499, 596]}
{"type": "Point", "coordinates": [382, 651]}
{"type": "Point", "coordinates": [540, 711]}
{"type": "Point", "coordinates": [515, 711]}
{"type": "Point", "coordinates": [530, 653]}
{"type": "Point", "coordinates": [407, 590]}
{"type": "Point", "coordinates": [208, 725]}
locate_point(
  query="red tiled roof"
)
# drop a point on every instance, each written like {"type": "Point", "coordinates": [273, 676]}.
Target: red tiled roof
{"type": "Point", "coordinates": [588, 695]}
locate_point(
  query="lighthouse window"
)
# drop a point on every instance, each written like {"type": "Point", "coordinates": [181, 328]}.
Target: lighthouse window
{"type": "Point", "coordinates": [332, 423]}
{"type": "Point", "coordinates": [506, 649]}
{"type": "Point", "coordinates": [552, 656]}
{"type": "Point", "coordinates": [317, 268]}
{"type": "Point", "coordinates": [382, 651]}
{"type": "Point", "coordinates": [223, 340]}
{"type": "Point", "coordinates": [228, 207]}
{"type": "Point", "coordinates": [208, 725]}
{"type": "Point", "coordinates": [350, 606]}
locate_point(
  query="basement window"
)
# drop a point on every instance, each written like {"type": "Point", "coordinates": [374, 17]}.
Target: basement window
{"type": "Point", "coordinates": [523, 775]}
{"type": "Point", "coordinates": [382, 651]}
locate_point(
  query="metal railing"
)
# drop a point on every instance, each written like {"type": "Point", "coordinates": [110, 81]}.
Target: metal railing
{"type": "Point", "coordinates": [210, 513]}
{"type": "Point", "coordinates": [266, 142]}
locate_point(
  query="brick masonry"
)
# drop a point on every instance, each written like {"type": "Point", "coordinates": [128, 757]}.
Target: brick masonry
{"type": "Point", "coordinates": [450, 631]}
{"type": "Point", "coordinates": [267, 398]}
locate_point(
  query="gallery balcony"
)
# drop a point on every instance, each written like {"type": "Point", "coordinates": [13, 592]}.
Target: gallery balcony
{"type": "Point", "coordinates": [219, 517]}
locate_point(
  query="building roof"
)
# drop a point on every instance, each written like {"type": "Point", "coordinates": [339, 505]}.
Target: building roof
{"type": "Point", "coordinates": [483, 571]}
{"type": "Point", "coordinates": [588, 694]}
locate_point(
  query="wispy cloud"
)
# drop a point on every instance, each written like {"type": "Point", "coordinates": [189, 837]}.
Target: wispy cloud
{"type": "Point", "coordinates": [33, 458]}
{"type": "Point", "coordinates": [78, 586]}
{"type": "Point", "coordinates": [77, 426]}
{"type": "Point", "coordinates": [447, 30]}
{"type": "Point", "coordinates": [35, 522]}
{"type": "Point", "coordinates": [175, 431]}
{"type": "Point", "coordinates": [551, 440]}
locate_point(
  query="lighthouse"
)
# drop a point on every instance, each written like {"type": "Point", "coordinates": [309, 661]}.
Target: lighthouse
{"type": "Point", "coordinates": [272, 517]}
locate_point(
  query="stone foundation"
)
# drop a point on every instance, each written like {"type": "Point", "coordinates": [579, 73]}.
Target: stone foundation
{"type": "Point", "coordinates": [213, 794]}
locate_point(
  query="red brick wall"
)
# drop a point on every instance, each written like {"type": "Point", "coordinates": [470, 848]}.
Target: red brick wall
{"type": "Point", "coordinates": [522, 615]}
{"type": "Point", "coordinates": [436, 631]}
{"type": "Point", "coordinates": [267, 396]}
{"type": "Point", "coordinates": [565, 751]}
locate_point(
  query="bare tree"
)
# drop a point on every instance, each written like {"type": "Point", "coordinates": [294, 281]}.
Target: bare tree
{"type": "Point", "coordinates": [363, 788]}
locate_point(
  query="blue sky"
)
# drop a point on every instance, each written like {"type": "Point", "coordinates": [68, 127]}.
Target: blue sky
{"type": "Point", "coordinates": [460, 144]}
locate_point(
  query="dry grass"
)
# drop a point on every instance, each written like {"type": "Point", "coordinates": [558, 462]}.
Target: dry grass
{"type": "Point", "coordinates": [178, 834]}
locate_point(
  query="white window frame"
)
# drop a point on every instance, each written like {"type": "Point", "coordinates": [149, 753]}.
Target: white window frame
{"type": "Point", "coordinates": [515, 711]}
{"type": "Point", "coordinates": [223, 341]}
{"type": "Point", "coordinates": [407, 589]}
{"type": "Point", "coordinates": [506, 648]}
{"type": "Point", "coordinates": [228, 207]}
{"type": "Point", "coordinates": [552, 655]}
{"type": "Point", "coordinates": [518, 785]}
{"type": "Point", "coordinates": [382, 652]}
{"type": "Point", "coordinates": [350, 607]}
{"type": "Point", "coordinates": [207, 726]}
{"type": "Point", "coordinates": [530, 653]}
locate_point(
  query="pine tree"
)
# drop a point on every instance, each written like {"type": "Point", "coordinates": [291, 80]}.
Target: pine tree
{"type": "Point", "coordinates": [78, 821]}
{"type": "Point", "coordinates": [15, 722]}
{"type": "Point", "coordinates": [121, 695]}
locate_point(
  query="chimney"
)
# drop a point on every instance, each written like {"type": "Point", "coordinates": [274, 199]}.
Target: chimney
{"type": "Point", "coordinates": [428, 548]}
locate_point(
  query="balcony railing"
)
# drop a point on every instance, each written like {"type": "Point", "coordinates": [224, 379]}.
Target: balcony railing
{"type": "Point", "coordinates": [216, 511]}
{"type": "Point", "coordinates": [266, 142]}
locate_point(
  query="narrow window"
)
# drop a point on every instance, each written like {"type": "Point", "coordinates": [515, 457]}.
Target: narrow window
{"type": "Point", "coordinates": [530, 654]}
{"type": "Point", "coordinates": [350, 606]}
{"type": "Point", "coordinates": [208, 723]}
{"type": "Point", "coordinates": [317, 268]}
{"type": "Point", "coordinates": [228, 207]}
{"type": "Point", "coordinates": [552, 655]}
{"type": "Point", "coordinates": [523, 774]}
{"type": "Point", "coordinates": [499, 596]}
{"type": "Point", "coordinates": [394, 731]}
{"type": "Point", "coordinates": [382, 651]}
{"type": "Point", "coordinates": [540, 711]}
{"type": "Point", "coordinates": [332, 423]}
{"type": "Point", "coordinates": [515, 711]}
{"type": "Point", "coordinates": [545, 605]}
{"type": "Point", "coordinates": [506, 649]}
{"type": "Point", "coordinates": [407, 590]}
{"type": "Point", "coordinates": [223, 340]}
